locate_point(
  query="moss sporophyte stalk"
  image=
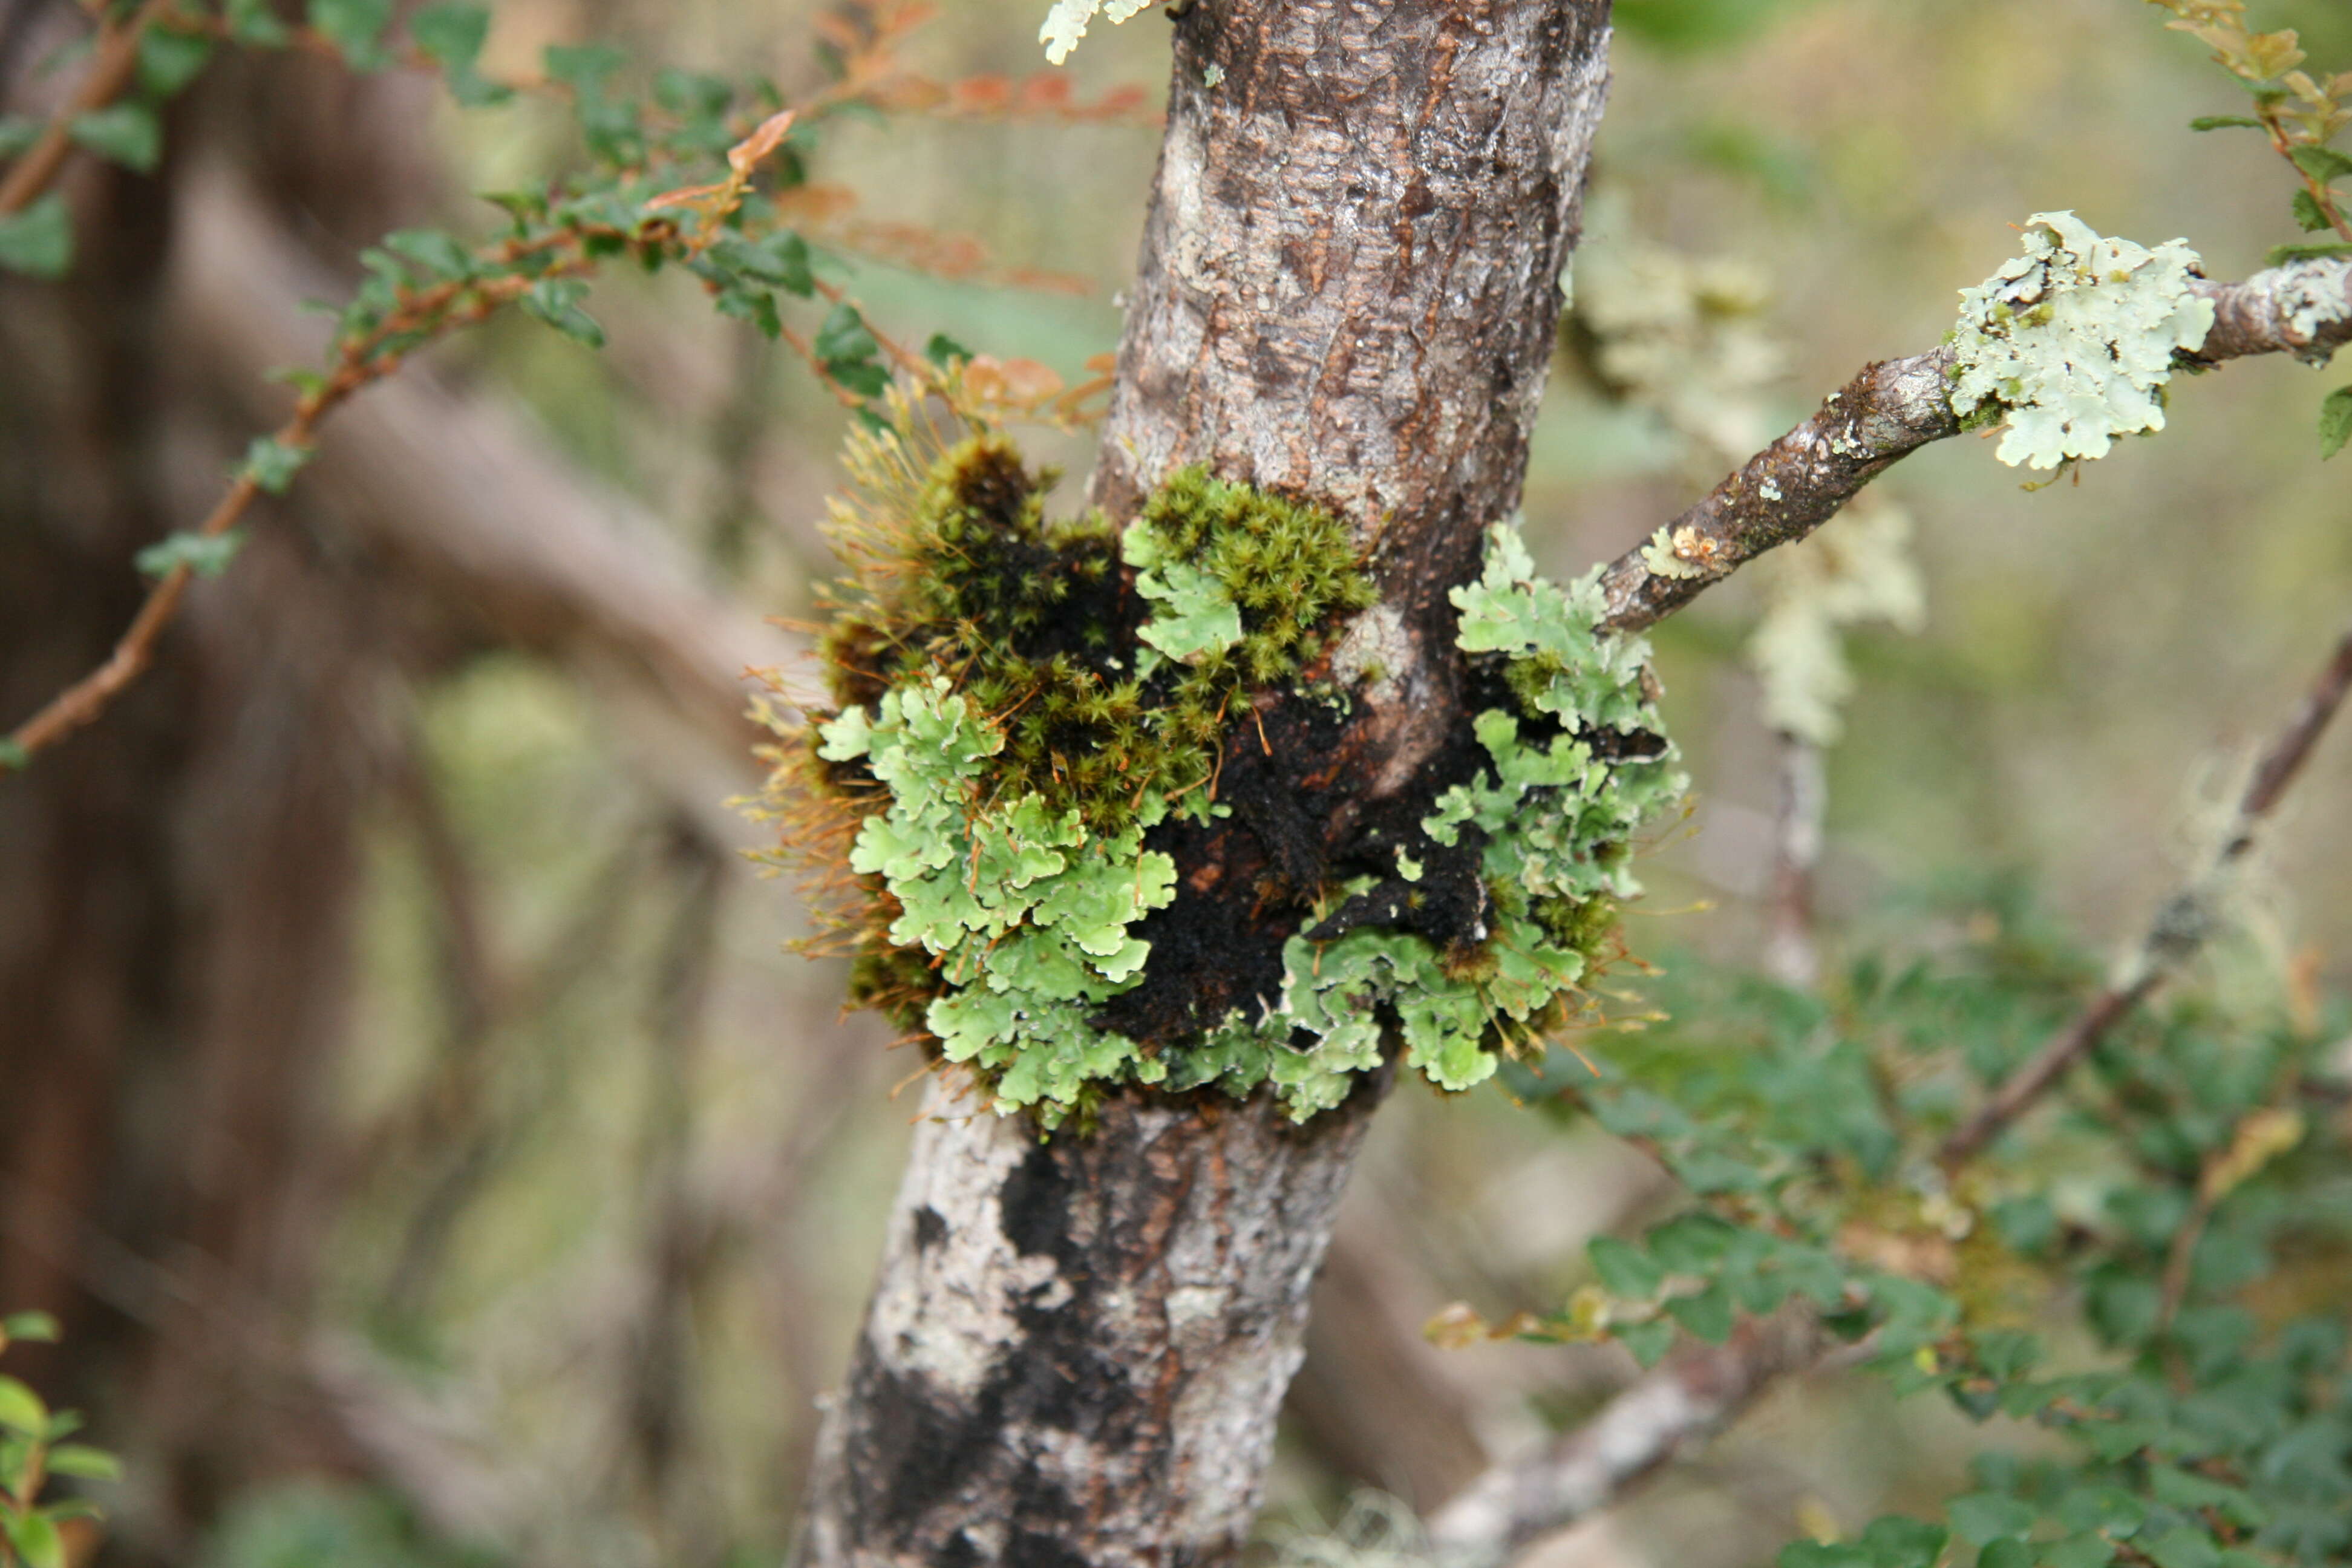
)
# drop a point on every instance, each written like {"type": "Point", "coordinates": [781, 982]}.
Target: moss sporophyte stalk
{"type": "Point", "coordinates": [1028, 753]}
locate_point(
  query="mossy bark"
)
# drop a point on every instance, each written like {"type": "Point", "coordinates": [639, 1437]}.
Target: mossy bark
{"type": "Point", "coordinates": [1347, 294]}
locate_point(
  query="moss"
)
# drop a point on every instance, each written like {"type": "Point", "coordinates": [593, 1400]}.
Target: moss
{"type": "Point", "coordinates": [1035, 621]}
{"type": "Point", "coordinates": [1034, 717]}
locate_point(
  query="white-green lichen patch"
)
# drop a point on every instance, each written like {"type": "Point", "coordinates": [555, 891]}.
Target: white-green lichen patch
{"type": "Point", "coordinates": [1024, 911]}
{"type": "Point", "coordinates": [1066, 23]}
{"type": "Point", "coordinates": [2074, 341]}
{"type": "Point", "coordinates": [1556, 815]}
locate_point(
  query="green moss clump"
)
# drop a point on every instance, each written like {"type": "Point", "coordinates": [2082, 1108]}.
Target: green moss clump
{"type": "Point", "coordinates": [1101, 702]}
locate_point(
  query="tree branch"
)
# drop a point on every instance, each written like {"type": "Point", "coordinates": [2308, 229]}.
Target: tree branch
{"type": "Point", "coordinates": [1693, 1394]}
{"type": "Point", "coordinates": [2181, 928]}
{"type": "Point", "coordinates": [114, 62]}
{"type": "Point", "coordinates": [1896, 406]}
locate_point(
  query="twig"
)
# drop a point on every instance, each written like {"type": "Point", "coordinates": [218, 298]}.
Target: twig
{"type": "Point", "coordinates": [115, 63]}
{"type": "Point", "coordinates": [357, 366]}
{"type": "Point", "coordinates": [1790, 954]}
{"type": "Point", "coordinates": [1692, 1394]}
{"type": "Point", "coordinates": [2181, 929]}
{"type": "Point", "coordinates": [1896, 406]}
{"type": "Point", "coordinates": [419, 316]}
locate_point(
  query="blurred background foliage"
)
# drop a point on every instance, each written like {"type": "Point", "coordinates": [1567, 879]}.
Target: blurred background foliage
{"type": "Point", "coordinates": [595, 1175]}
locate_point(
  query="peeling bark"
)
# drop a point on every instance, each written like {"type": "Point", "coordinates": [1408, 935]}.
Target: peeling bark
{"type": "Point", "coordinates": [1347, 293]}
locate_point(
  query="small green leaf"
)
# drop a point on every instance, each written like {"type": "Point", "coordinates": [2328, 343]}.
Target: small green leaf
{"type": "Point", "coordinates": [2322, 163]}
{"type": "Point", "coordinates": [272, 463]}
{"type": "Point", "coordinates": [861, 376]}
{"type": "Point", "coordinates": [2224, 122]}
{"type": "Point", "coordinates": [943, 349]}
{"type": "Point", "coordinates": [1624, 1270]}
{"type": "Point", "coordinates": [1706, 1314]}
{"type": "Point", "coordinates": [203, 555]}
{"type": "Point", "coordinates": [2281, 254]}
{"type": "Point", "coordinates": [556, 301]}
{"type": "Point", "coordinates": [14, 758]}
{"type": "Point", "coordinates": [36, 1541]}
{"type": "Point", "coordinates": [1648, 1342]}
{"type": "Point", "coordinates": [2335, 421]}
{"type": "Point", "coordinates": [21, 1409]}
{"type": "Point", "coordinates": [441, 257]}
{"type": "Point", "coordinates": [844, 336]}
{"type": "Point", "coordinates": [2090, 1549]}
{"type": "Point", "coordinates": [2184, 1549]}
{"type": "Point", "coordinates": [126, 134]}
{"type": "Point", "coordinates": [1982, 1518]}
{"type": "Point", "coordinates": [1691, 1243]}
{"type": "Point", "coordinates": [1896, 1541]}
{"type": "Point", "coordinates": [170, 61]}
{"type": "Point", "coordinates": [2308, 215]}
{"type": "Point", "coordinates": [253, 24]}
{"type": "Point", "coordinates": [2007, 1553]}
{"type": "Point", "coordinates": [84, 1463]}
{"type": "Point", "coordinates": [356, 29]}
{"type": "Point", "coordinates": [31, 1327]}
{"type": "Point", "coordinates": [451, 34]}
{"type": "Point", "coordinates": [17, 134]}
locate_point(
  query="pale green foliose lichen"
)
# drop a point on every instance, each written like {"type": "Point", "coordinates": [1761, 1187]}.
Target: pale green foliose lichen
{"type": "Point", "coordinates": [1065, 24]}
{"type": "Point", "coordinates": [1025, 911]}
{"type": "Point", "coordinates": [1659, 555]}
{"type": "Point", "coordinates": [2074, 341]}
{"type": "Point", "coordinates": [1556, 816]}
{"type": "Point", "coordinates": [1192, 612]}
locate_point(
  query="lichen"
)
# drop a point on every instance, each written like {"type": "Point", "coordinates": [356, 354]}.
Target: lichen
{"type": "Point", "coordinates": [1662, 553]}
{"type": "Point", "coordinates": [2311, 298]}
{"type": "Point", "coordinates": [1026, 711]}
{"type": "Point", "coordinates": [1065, 24]}
{"type": "Point", "coordinates": [2074, 341]}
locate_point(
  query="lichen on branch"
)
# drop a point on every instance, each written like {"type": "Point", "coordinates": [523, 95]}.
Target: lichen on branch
{"type": "Point", "coordinates": [2072, 342]}
{"type": "Point", "coordinates": [1042, 733]}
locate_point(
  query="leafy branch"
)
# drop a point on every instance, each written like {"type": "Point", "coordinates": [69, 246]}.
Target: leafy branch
{"type": "Point", "coordinates": [423, 285]}
{"type": "Point", "coordinates": [34, 1450]}
{"type": "Point", "coordinates": [1827, 1213]}
{"type": "Point", "coordinates": [2300, 113]}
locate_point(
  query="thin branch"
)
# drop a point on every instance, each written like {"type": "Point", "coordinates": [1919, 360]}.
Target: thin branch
{"type": "Point", "coordinates": [115, 63]}
{"type": "Point", "coordinates": [419, 316]}
{"type": "Point", "coordinates": [2181, 928]}
{"type": "Point", "coordinates": [1791, 955]}
{"type": "Point", "coordinates": [360, 363]}
{"type": "Point", "coordinates": [1896, 406]}
{"type": "Point", "coordinates": [1692, 1395]}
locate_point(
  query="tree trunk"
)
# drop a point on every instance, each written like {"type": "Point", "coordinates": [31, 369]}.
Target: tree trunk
{"type": "Point", "coordinates": [1347, 292]}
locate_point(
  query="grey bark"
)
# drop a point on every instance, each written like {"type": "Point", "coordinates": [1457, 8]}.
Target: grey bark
{"type": "Point", "coordinates": [1347, 292]}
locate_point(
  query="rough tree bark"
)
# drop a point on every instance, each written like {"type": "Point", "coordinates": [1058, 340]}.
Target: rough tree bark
{"type": "Point", "coordinates": [1348, 291]}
